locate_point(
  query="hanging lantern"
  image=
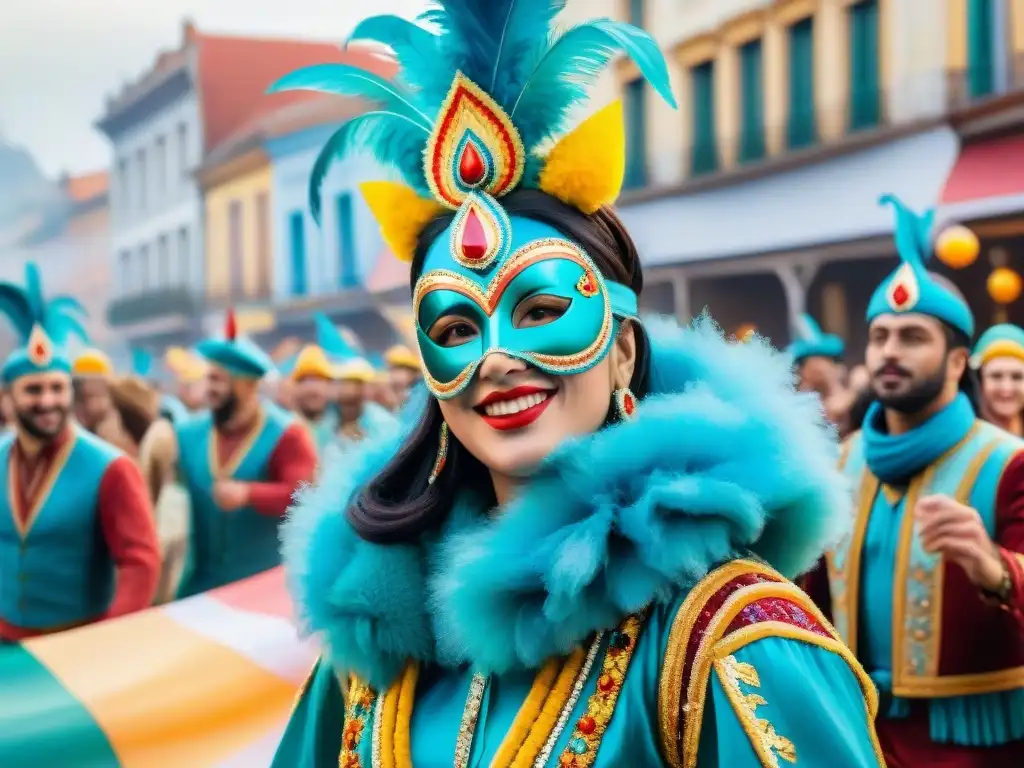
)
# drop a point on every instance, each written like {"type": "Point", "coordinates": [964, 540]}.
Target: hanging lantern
{"type": "Point", "coordinates": [1004, 285]}
{"type": "Point", "coordinates": [957, 247]}
{"type": "Point", "coordinates": [746, 332]}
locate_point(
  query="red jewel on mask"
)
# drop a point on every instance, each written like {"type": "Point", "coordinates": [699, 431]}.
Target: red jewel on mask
{"type": "Point", "coordinates": [587, 285]}
{"type": "Point", "coordinates": [474, 237]}
{"type": "Point", "coordinates": [471, 165]}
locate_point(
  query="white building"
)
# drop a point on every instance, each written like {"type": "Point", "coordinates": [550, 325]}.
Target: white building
{"type": "Point", "coordinates": [161, 128]}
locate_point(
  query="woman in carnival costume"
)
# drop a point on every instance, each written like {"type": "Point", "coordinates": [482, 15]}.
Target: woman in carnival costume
{"type": "Point", "coordinates": [999, 359]}
{"type": "Point", "coordinates": [575, 552]}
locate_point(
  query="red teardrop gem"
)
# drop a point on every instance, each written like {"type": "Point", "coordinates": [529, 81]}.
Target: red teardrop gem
{"type": "Point", "coordinates": [629, 405]}
{"type": "Point", "coordinates": [40, 350]}
{"type": "Point", "coordinates": [901, 295]}
{"type": "Point", "coordinates": [474, 237]}
{"type": "Point", "coordinates": [471, 165]}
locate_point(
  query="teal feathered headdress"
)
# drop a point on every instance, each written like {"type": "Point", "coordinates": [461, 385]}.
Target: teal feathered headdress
{"type": "Point", "coordinates": [810, 341]}
{"type": "Point", "coordinates": [485, 90]}
{"type": "Point", "coordinates": [331, 340]}
{"type": "Point", "coordinates": [910, 288]}
{"type": "Point", "coordinates": [44, 327]}
{"type": "Point", "coordinates": [236, 354]}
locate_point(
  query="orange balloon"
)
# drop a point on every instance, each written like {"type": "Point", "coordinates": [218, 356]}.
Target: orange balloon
{"type": "Point", "coordinates": [1004, 285]}
{"type": "Point", "coordinates": [957, 247]}
{"type": "Point", "coordinates": [745, 332]}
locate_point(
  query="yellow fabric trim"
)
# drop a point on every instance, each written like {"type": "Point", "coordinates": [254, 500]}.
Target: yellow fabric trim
{"type": "Point", "coordinates": [844, 450]}
{"type": "Point", "coordinates": [578, 176]}
{"type": "Point", "coordinates": [529, 712]}
{"type": "Point", "coordinates": [749, 634]}
{"type": "Point", "coordinates": [401, 214]}
{"type": "Point", "coordinates": [903, 682]}
{"type": "Point", "coordinates": [1001, 348]}
{"type": "Point", "coordinates": [892, 494]}
{"type": "Point", "coordinates": [845, 581]}
{"type": "Point", "coordinates": [670, 683]}
{"type": "Point", "coordinates": [767, 743]}
{"type": "Point", "coordinates": [403, 717]}
{"type": "Point", "coordinates": [389, 722]}
{"type": "Point", "coordinates": [359, 707]}
{"type": "Point", "coordinates": [546, 721]}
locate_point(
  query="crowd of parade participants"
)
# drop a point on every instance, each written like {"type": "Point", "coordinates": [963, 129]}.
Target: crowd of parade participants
{"type": "Point", "coordinates": [558, 532]}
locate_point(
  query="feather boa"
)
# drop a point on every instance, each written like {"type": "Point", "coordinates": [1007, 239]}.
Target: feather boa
{"type": "Point", "coordinates": [723, 459]}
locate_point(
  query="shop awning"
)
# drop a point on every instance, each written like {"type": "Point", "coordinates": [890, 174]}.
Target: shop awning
{"type": "Point", "coordinates": [834, 200]}
{"type": "Point", "coordinates": [987, 181]}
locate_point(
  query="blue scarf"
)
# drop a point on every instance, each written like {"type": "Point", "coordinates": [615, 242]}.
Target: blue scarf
{"type": "Point", "coordinates": [896, 458]}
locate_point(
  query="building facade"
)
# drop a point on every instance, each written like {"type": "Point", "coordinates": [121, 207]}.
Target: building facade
{"type": "Point", "coordinates": [758, 198]}
{"type": "Point", "coordinates": [162, 129]}
{"type": "Point", "coordinates": [325, 266]}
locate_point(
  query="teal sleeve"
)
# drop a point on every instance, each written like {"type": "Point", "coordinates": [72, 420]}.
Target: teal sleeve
{"type": "Point", "coordinates": [312, 738]}
{"type": "Point", "coordinates": [778, 702]}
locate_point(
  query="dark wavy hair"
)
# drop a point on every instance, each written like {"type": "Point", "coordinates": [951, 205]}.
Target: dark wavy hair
{"type": "Point", "coordinates": [398, 505]}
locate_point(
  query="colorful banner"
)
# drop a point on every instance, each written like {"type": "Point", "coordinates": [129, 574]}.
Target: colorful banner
{"type": "Point", "coordinates": [204, 682]}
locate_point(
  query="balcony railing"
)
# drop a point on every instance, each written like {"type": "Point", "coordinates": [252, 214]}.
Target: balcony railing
{"type": "Point", "coordinates": [238, 298]}
{"type": "Point", "coordinates": [135, 308]}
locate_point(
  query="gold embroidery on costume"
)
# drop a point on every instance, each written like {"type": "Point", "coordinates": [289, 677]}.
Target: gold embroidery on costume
{"type": "Point", "coordinates": [768, 744]}
{"type": "Point", "coordinates": [361, 699]}
{"type": "Point", "coordinates": [581, 751]}
{"type": "Point", "coordinates": [670, 686]}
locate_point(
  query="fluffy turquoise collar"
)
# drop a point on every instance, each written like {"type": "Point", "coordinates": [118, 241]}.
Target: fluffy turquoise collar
{"type": "Point", "coordinates": [723, 458]}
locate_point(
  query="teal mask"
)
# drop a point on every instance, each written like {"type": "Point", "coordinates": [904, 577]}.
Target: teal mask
{"type": "Point", "coordinates": [482, 268]}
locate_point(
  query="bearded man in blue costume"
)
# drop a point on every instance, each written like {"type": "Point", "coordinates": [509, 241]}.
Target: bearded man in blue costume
{"type": "Point", "coordinates": [573, 553]}
{"type": "Point", "coordinates": [929, 588]}
{"type": "Point", "coordinates": [241, 463]}
{"type": "Point", "coordinates": [77, 543]}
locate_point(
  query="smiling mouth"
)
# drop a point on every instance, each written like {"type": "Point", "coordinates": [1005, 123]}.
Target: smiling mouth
{"type": "Point", "coordinates": [515, 409]}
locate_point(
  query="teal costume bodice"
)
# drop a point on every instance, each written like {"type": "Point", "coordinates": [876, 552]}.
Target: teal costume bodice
{"type": "Point", "coordinates": [827, 719]}
{"type": "Point", "coordinates": [226, 546]}
{"type": "Point", "coordinates": [55, 569]}
{"type": "Point", "coordinates": [887, 591]}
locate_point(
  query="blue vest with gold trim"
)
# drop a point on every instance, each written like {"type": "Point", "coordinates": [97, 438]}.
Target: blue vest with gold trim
{"type": "Point", "coordinates": [227, 546]}
{"type": "Point", "coordinates": [56, 570]}
{"type": "Point", "coordinates": [964, 708]}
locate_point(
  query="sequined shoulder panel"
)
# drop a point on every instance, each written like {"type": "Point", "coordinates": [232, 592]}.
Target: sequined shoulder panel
{"type": "Point", "coordinates": [689, 627]}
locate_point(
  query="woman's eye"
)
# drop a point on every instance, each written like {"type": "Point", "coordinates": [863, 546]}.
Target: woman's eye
{"type": "Point", "coordinates": [539, 310]}
{"type": "Point", "coordinates": [451, 332]}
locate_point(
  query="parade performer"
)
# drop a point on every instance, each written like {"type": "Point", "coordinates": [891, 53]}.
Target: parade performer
{"type": "Point", "coordinates": [817, 357]}
{"type": "Point", "coordinates": [359, 417]}
{"type": "Point", "coordinates": [92, 374]}
{"type": "Point", "coordinates": [556, 563]}
{"type": "Point", "coordinates": [77, 543]}
{"type": "Point", "coordinates": [241, 462]}
{"type": "Point", "coordinates": [999, 359]}
{"type": "Point", "coordinates": [313, 376]}
{"type": "Point", "coordinates": [929, 589]}
{"type": "Point", "coordinates": [404, 370]}
{"type": "Point", "coordinates": [189, 372]}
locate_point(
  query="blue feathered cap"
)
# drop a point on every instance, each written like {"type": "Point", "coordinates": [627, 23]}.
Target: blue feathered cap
{"type": "Point", "coordinates": [810, 341]}
{"type": "Point", "coordinates": [1003, 340]}
{"type": "Point", "coordinates": [43, 326]}
{"type": "Point", "coordinates": [237, 355]}
{"type": "Point", "coordinates": [910, 289]}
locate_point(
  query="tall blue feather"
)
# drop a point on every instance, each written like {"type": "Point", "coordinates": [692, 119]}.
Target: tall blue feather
{"type": "Point", "coordinates": [34, 291]}
{"type": "Point", "coordinates": [346, 80]}
{"type": "Point", "coordinates": [416, 49]}
{"type": "Point", "coordinates": [394, 141]}
{"type": "Point", "coordinates": [15, 306]}
{"type": "Point", "coordinates": [913, 231]}
{"type": "Point", "coordinates": [564, 76]}
{"type": "Point", "coordinates": [330, 340]}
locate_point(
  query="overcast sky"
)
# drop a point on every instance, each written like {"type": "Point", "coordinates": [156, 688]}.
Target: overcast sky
{"type": "Point", "coordinates": [59, 59]}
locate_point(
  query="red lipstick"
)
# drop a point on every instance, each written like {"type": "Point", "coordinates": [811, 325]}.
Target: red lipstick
{"type": "Point", "coordinates": [521, 418]}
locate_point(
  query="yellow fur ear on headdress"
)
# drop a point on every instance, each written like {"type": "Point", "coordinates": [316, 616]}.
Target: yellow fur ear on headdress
{"type": "Point", "coordinates": [586, 168]}
{"type": "Point", "coordinates": [401, 214]}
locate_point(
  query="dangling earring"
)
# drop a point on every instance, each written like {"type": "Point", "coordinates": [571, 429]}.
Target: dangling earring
{"type": "Point", "coordinates": [625, 404]}
{"type": "Point", "coordinates": [442, 453]}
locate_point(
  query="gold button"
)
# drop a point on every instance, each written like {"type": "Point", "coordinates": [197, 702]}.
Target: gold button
{"type": "Point", "coordinates": [925, 604]}
{"type": "Point", "coordinates": [920, 574]}
{"type": "Point", "coordinates": [920, 635]}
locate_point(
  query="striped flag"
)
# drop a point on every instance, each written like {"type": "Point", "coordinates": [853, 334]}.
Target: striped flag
{"type": "Point", "coordinates": [207, 681]}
